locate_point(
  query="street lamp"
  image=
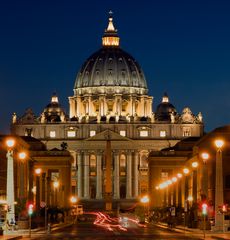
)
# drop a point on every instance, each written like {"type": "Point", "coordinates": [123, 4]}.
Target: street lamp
{"type": "Point", "coordinates": [204, 193]}
{"type": "Point", "coordinates": [38, 173]}
{"type": "Point", "coordinates": [10, 143]}
{"type": "Point", "coordinates": [10, 181]}
{"type": "Point", "coordinates": [219, 196]}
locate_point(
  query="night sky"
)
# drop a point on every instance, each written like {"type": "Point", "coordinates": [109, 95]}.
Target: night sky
{"type": "Point", "coordinates": [182, 46]}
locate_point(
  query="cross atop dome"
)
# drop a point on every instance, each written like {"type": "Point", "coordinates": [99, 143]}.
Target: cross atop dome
{"type": "Point", "coordinates": [111, 27]}
{"type": "Point", "coordinates": [110, 37]}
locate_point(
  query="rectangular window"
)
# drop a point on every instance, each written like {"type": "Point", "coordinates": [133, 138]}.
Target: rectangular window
{"type": "Point", "coordinates": [71, 133]}
{"type": "Point", "coordinates": [52, 134]}
{"type": "Point", "coordinates": [92, 133]}
{"type": "Point", "coordinates": [163, 133]}
{"type": "Point", "coordinates": [123, 133]}
{"type": "Point", "coordinates": [144, 133]}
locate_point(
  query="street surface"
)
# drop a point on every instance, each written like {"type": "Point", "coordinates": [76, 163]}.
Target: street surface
{"type": "Point", "coordinates": [100, 226]}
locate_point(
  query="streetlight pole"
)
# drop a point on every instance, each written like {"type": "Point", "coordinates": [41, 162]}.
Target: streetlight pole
{"type": "Point", "coordinates": [205, 157]}
{"type": "Point", "coordinates": [10, 182]}
{"type": "Point", "coordinates": [38, 172]}
{"type": "Point", "coordinates": [219, 221]}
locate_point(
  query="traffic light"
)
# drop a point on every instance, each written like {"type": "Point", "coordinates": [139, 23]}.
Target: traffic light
{"type": "Point", "coordinates": [204, 208]}
{"type": "Point", "coordinates": [30, 209]}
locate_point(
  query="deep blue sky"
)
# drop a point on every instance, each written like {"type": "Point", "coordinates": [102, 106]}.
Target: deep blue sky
{"type": "Point", "coordinates": [182, 46]}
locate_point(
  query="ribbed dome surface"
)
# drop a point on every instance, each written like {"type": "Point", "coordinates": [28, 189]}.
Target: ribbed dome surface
{"type": "Point", "coordinates": [110, 66]}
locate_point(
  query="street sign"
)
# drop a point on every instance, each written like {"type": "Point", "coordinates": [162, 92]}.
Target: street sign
{"type": "Point", "coordinates": [42, 204]}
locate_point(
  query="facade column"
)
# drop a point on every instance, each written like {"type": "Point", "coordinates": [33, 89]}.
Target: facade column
{"type": "Point", "coordinates": [116, 192]}
{"type": "Point", "coordinates": [87, 106]}
{"type": "Point", "coordinates": [99, 176]}
{"type": "Point", "coordinates": [142, 107]}
{"type": "Point", "coordinates": [129, 175]}
{"type": "Point", "coordinates": [78, 110]}
{"type": "Point", "coordinates": [90, 106]}
{"type": "Point", "coordinates": [71, 107]}
{"type": "Point", "coordinates": [86, 175]}
{"type": "Point", "coordinates": [101, 105]}
{"type": "Point", "coordinates": [79, 175]}
{"type": "Point", "coordinates": [145, 107]}
{"type": "Point", "coordinates": [135, 175]}
{"type": "Point", "coordinates": [118, 104]}
{"type": "Point", "coordinates": [150, 110]}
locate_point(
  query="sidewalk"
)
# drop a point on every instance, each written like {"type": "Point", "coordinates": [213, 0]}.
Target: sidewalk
{"type": "Point", "coordinates": [196, 232]}
{"type": "Point", "coordinates": [19, 234]}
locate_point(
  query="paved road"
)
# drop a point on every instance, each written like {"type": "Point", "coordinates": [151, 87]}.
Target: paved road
{"type": "Point", "coordinates": [90, 231]}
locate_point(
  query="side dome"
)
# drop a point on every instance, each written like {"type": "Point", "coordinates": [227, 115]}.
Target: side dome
{"type": "Point", "coordinates": [53, 112]}
{"type": "Point", "coordinates": [110, 67]}
{"type": "Point", "coordinates": [165, 109]}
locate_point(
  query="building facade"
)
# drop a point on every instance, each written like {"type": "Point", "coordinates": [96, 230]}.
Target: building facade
{"type": "Point", "coordinates": [110, 101]}
{"type": "Point", "coordinates": [194, 171]}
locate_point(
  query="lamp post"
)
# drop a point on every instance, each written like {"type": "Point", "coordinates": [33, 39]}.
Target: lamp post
{"type": "Point", "coordinates": [194, 180]}
{"type": "Point", "coordinates": [219, 221]}
{"type": "Point", "coordinates": [205, 157]}
{"type": "Point", "coordinates": [38, 173]}
{"type": "Point", "coordinates": [186, 202]}
{"type": "Point", "coordinates": [10, 143]}
{"type": "Point", "coordinates": [10, 182]}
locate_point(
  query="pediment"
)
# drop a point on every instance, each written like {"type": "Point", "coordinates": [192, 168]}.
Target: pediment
{"type": "Point", "coordinates": [108, 135]}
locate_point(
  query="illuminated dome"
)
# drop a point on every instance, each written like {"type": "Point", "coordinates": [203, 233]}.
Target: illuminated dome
{"type": "Point", "coordinates": [110, 67]}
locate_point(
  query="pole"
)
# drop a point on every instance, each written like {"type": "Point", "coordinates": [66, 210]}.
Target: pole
{"type": "Point", "coordinates": [29, 225]}
{"type": "Point", "coordinates": [45, 219]}
{"type": "Point", "coordinates": [10, 187]}
{"type": "Point", "coordinates": [218, 191]}
{"type": "Point", "coordinates": [204, 223]}
{"type": "Point", "coordinates": [223, 222]}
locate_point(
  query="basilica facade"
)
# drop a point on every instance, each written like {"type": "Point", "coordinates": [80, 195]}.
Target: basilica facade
{"type": "Point", "coordinates": [110, 101]}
